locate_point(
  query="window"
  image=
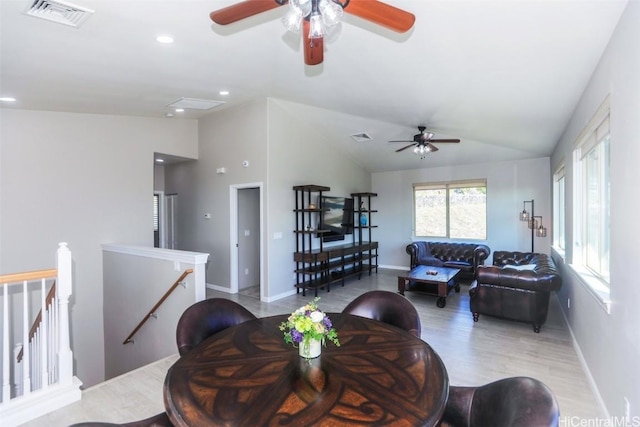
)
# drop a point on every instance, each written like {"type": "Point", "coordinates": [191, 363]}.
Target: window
{"type": "Point", "coordinates": [456, 210]}
{"type": "Point", "coordinates": [591, 163]}
{"type": "Point", "coordinates": [559, 203]}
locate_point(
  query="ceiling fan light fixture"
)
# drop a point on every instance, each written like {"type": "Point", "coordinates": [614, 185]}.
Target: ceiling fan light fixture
{"type": "Point", "coordinates": [291, 20]}
{"type": "Point", "coordinates": [331, 12]}
{"type": "Point", "coordinates": [301, 7]}
{"type": "Point", "coordinates": [316, 28]}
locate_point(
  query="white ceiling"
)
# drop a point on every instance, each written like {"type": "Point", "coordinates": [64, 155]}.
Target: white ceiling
{"type": "Point", "coordinates": [503, 76]}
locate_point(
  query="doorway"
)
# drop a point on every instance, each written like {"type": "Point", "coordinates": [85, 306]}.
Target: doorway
{"type": "Point", "coordinates": [246, 239]}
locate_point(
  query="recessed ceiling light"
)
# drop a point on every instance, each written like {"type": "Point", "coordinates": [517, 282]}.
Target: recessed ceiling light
{"type": "Point", "coordinates": [168, 115]}
{"type": "Point", "coordinates": [224, 92]}
{"type": "Point", "coordinates": [179, 110]}
{"type": "Point", "coordinates": [7, 99]}
{"type": "Point", "coordinates": [164, 39]}
{"type": "Point", "coordinates": [160, 160]}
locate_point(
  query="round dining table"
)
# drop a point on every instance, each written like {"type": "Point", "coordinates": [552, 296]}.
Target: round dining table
{"type": "Point", "coordinates": [247, 375]}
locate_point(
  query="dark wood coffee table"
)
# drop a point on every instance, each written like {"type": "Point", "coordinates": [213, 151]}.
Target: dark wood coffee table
{"type": "Point", "coordinates": [430, 280]}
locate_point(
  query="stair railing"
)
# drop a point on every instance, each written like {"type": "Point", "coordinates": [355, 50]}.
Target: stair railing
{"type": "Point", "coordinates": [152, 312]}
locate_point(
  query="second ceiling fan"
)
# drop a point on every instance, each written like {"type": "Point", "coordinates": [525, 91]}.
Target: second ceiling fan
{"type": "Point", "coordinates": [422, 142]}
{"type": "Point", "coordinates": [316, 16]}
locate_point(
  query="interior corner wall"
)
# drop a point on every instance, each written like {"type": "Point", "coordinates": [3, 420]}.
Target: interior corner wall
{"type": "Point", "coordinates": [610, 343]}
{"type": "Point", "coordinates": [299, 155]}
{"type": "Point", "coordinates": [226, 139]}
{"type": "Point", "coordinates": [85, 179]}
{"type": "Point", "coordinates": [508, 185]}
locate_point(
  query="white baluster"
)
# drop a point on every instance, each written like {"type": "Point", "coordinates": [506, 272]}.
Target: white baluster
{"type": "Point", "coordinates": [17, 371]}
{"type": "Point", "coordinates": [44, 330]}
{"type": "Point", "coordinates": [6, 374]}
{"type": "Point", "coordinates": [63, 291]}
{"type": "Point", "coordinates": [26, 356]}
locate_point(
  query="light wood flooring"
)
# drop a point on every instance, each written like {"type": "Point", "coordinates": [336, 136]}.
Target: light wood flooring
{"type": "Point", "coordinates": [474, 354]}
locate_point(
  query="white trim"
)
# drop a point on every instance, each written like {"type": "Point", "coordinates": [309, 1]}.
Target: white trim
{"type": "Point", "coordinates": [594, 285]}
{"type": "Point", "coordinates": [41, 402]}
{"type": "Point", "coordinates": [233, 237]}
{"type": "Point", "coordinates": [583, 363]}
{"type": "Point", "coordinates": [158, 253]}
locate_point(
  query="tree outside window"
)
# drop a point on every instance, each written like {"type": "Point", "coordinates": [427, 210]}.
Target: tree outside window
{"type": "Point", "coordinates": [456, 210]}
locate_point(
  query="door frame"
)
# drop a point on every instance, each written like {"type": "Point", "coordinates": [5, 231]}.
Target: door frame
{"type": "Point", "coordinates": [162, 238]}
{"type": "Point", "coordinates": [233, 236]}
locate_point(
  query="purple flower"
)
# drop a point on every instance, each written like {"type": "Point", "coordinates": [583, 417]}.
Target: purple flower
{"type": "Point", "coordinates": [296, 336]}
{"type": "Point", "coordinates": [327, 322]}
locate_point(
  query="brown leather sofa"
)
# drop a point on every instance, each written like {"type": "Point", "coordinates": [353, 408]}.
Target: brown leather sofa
{"type": "Point", "coordinates": [465, 256]}
{"type": "Point", "coordinates": [517, 286]}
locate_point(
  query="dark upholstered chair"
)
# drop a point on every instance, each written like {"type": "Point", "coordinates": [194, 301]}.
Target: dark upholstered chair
{"type": "Point", "coordinates": [160, 420]}
{"type": "Point", "coordinates": [387, 307]}
{"type": "Point", "coordinates": [205, 318]}
{"type": "Point", "coordinates": [510, 402]}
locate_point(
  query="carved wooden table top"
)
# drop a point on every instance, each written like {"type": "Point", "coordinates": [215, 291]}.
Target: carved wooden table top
{"type": "Point", "coordinates": [247, 376]}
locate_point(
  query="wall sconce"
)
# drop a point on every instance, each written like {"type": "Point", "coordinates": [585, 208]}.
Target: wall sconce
{"type": "Point", "coordinates": [533, 224]}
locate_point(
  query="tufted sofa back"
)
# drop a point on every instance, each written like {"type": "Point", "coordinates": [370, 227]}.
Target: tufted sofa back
{"type": "Point", "coordinates": [466, 256]}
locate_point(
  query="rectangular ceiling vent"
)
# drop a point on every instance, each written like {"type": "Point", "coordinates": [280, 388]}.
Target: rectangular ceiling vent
{"type": "Point", "coordinates": [195, 104]}
{"type": "Point", "coordinates": [59, 11]}
{"type": "Point", "coordinates": [361, 137]}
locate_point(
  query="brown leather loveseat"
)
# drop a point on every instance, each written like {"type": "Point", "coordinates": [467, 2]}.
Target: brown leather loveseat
{"type": "Point", "coordinates": [517, 286]}
{"type": "Point", "coordinates": [465, 256]}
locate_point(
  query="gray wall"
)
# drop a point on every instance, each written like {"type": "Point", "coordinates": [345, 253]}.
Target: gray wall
{"type": "Point", "coordinates": [508, 185]}
{"type": "Point", "coordinates": [85, 179]}
{"type": "Point", "coordinates": [610, 343]}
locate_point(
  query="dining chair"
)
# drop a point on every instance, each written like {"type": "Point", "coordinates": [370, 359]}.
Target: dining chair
{"type": "Point", "coordinates": [387, 307]}
{"type": "Point", "coordinates": [205, 318]}
{"type": "Point", "coordinates": [510, 402]}
{"type": "Point", "coordinates": [160, 420]}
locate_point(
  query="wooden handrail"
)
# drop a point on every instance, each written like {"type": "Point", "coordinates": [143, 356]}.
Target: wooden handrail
{"type": "Point", "coordinates": [158, 304]}
{"type": "Point", "coordinates": [8, 279]}
{"type": "Point", "coordinates": [38, 320]}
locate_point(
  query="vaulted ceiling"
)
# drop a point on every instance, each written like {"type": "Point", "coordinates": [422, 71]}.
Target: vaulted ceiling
{"type": "Point", "coordinates": [503, 76]}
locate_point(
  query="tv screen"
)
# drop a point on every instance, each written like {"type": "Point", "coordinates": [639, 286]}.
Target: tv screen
{"type": "Point", "coordinates": [337, 217]}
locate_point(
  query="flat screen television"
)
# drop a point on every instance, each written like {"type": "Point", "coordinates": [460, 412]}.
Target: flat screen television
{"type": "Point", "coordinates": [337, 218]}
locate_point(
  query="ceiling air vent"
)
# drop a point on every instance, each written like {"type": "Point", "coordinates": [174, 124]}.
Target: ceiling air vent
{"type": "Point", "coordinates": [195, 104]}
{"type": "Point", "coordinates": [59, 11]}
{"type": "Point", "coordinates": [361, 137]}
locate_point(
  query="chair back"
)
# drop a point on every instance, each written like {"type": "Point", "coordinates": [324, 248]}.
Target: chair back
{"type": "Point", "coordinates": [510, 402]}
{"type": "Point", "coordinates": [205, 318]}
{"type": "Point", "coordinates": [160, 420]}
{"type": "Point", "coordinates": [387, 307]}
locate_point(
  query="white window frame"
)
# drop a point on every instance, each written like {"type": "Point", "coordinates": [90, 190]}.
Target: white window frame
{"type": "Point", "coordinates": [595, 136]}
{"type": "Point", "coordinates": [559, 206]}
{"type": "Point", "coordinates": [447, 186]}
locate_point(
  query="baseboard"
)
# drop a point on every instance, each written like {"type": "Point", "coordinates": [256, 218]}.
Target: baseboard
{"type": "Point", "coordinates": [218, 288]}
{"type": "Point", "coordinates": [585, 367]}
{"type": "Point", "coordinates": [394, 267]}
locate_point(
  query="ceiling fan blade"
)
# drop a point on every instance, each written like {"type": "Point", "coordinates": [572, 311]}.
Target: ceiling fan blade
{"type": "Point", "coordinates": [382, 14]}
{"type": "Point", "coordinates": [313, 47]}
{"type": "Point", "coordinates": [242, 10]}
{"type": "Point", "coordinates": [431, 147]}
{"type": "Point", "coordinates": [404, 148]}
{"type": "Point", "coordinates": [444, 140]}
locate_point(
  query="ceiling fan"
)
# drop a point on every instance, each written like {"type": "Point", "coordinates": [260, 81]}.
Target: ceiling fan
{"type": "Point", "coordinates": [422, 142]}
{"type": "Point", "coordinates": [316, 16]}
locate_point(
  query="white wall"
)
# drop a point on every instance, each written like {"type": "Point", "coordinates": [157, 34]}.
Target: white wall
{"type": "Point", "coordinates": [85, 179]}
{"type": "Point", "coordinates": [508, 185]}
{"type": "Point", "coordinates": [282, 152]}
{"type": "Point", "coordinates": [610, 343]}
{"type": "Point", "coordinates": [299, 155]}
